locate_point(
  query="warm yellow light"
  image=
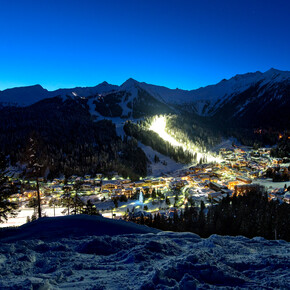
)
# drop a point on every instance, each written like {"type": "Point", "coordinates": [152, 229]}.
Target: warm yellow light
{"type": "Point", "coordinates": [159, 126]}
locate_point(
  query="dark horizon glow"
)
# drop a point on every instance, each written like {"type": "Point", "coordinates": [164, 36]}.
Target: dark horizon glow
{"type": "Point", "coordinates": [184, 44]}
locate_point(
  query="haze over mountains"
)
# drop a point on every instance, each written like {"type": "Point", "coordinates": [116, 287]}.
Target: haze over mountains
{"type": "Point", "coordinates": [248, 98]}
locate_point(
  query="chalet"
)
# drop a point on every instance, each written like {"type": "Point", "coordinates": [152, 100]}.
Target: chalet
{"type": "Point", "coordinates": [158, 182]}
{"type": "Point", "coordinates": [99, 175]}
{"type": "Point", "coordinates": [109, 184]}
{"type": "Point", "coordinates": [194, 169]}
{"type": "Point", "coordinates": [117, 193]}
{"type": "Point", "coordinates": [57, 188]}
{"type": "Point", "coordinates": [96, 188]}
{"type": "Point", "coordinates": [227, 191]}
{"type": "Point", "coordinates": [140, 183]}
{"type": "Point", "coordinates": [127, 185]}
{"type": "Point", "coordinates": [245, 188]}
{"type": "Point", "coordinates": [216, 186]}
{"type": "Point", "coordinates": [106, 193]}
{"type": "Point", "coordinates": [244, 179]}
{"type": "Point", "coordinates": [232, 183]}
{"type": "Point", "coordinates": [125, 181]}
{"type": "Point", "coordinates": [148, 182]}
{"type": "Point", "coordinates": [29, 193]}
{"type": "Point", "coordinates": [86, 187]}
{"type": "Point", "coordinates": [203, 177]}
{"type": "Point", "coordinates": [215, 196]}
{"type": "Point", "coordinates": [178, 183]}
{"type": "Point", "coordinates": [277, 161]}
{"type": "Point", "coordinates": [286, 197]}
{"type": "Point", "coordinates": [128, 192]}
{"type": "Point", "coordinates": [98, 182]}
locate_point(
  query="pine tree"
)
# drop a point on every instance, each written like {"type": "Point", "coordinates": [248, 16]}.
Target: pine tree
{"type": "Point", "coordinates": [201, 218]}
{"type": "Point", "coordinates": [67, 199]}
{"type": "Point", "coordinates": [90, 209]}
{"type": "Point", "coordinates": [6, 191]}
{"type": "Point", "coordinates": [78, 204]}
{"type": "Point", "coordinates": [167, 200]}
{"type": "Point", "coordinates": [34, 167]}
{"type": "Point", "coordinates": [156, 159]}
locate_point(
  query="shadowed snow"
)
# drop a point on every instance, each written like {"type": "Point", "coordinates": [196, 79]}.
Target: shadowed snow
{"type": "Point", "coordinates": [164, 260]}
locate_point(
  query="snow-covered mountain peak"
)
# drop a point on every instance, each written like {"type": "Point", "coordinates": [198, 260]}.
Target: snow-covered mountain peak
{"type": "Point", "coordinates": [277, 76]}
{"type": "Point", "coordinates": [106, 86]}
{"type": "Point", "coordinates": [203, 101]}
{"type": "Point", "coordinates": [23, 95]}
{"type": "Point", "coordinates": [274, 71]}
{"type": "Point", "coordinates": [104, 83]}
{"type": "Point", "coordinates": [252, 76]}
{"type": "Point", "coordinates": [36, 87]}
{"type": "Point", "coordinates": [129, 83]}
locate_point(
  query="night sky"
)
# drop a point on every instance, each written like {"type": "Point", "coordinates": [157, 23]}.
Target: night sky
{"type": "Point", "coordinates": [184, 44]}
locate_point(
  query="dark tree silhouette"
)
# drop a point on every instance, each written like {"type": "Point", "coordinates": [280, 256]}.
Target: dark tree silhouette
{"type": "Point", "coordinates": [6, 190]}
{"type": "Point", "coordinates": [34, 168]}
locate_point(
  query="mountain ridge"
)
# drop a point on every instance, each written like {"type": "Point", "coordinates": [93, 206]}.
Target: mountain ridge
{"type": "Point", "coordinates": [237, 98]}
{"type": "Point", "coordinates": [130, 81]}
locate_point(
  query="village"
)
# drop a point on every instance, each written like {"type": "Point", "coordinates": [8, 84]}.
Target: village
{"type": "Point", "coordinates": [242, 170]}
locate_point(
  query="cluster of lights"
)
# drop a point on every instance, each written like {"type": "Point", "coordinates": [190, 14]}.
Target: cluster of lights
{"type": "Point", "coordinates": [159, 126]}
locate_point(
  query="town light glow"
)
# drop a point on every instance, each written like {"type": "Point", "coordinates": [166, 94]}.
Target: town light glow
{"type": "Point", "coordinates": [159, 126]}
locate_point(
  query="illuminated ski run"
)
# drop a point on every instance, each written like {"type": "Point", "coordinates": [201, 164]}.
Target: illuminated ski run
{"type": "Point", "coordinates": [159, 126]}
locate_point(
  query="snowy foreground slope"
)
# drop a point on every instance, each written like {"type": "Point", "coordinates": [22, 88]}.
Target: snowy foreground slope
{"type": "Point", "coordinates": [160, 260]}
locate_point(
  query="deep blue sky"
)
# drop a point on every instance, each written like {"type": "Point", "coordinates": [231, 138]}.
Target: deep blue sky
{"type": "Point", "coordinates": [185, 44]}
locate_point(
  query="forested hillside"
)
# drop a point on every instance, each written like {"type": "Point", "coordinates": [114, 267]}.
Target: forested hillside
{"type": "Point", "coordinates": [69, 141]}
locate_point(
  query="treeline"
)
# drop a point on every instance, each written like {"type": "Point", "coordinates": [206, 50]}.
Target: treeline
{"type": "Point", "coordinates": [70, 142]}
{"type": "Point", "coordinates": [150, 138]}
{"type": "Point", "coordinates": [283, 147]}
{"type": "Point", "coordinates": [146, 105]}
{"type": "Point", "coordinates": [249, 215]}
{"type": "Point", "coordinates": [195, 130]}
{"type": "Point", "coordinates": [278, 174]}
{"type": "Point", "coordinates": [221, 125]}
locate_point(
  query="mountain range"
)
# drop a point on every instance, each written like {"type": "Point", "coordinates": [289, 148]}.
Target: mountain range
{"type": "Point", "coordinates": [252, 98]}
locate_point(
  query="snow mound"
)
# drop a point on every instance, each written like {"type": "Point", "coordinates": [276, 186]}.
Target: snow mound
{"type": "Point", "coordinates": [164, 260]}
{"type": "Point", "coordinates": [53, 228]}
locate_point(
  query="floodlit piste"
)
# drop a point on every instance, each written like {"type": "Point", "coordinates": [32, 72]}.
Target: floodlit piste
{"type": "Point", "coordinates": [158, 125]}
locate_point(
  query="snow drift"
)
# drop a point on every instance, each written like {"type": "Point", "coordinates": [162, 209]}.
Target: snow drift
{"type": "Point", "coordinates": [163, 260]}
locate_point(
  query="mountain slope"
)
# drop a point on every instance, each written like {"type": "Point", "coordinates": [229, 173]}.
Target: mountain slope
{"type": "Point", "coordinates": [264, 103]}
{"type": "Point", "coordinates": [71, 142]}
{"type": "Point", "coordinates": [205, 101]}
{"type": "Point", "coordinates": [248, 98]}
{"type": "Point", "coordinates": [25, 96]}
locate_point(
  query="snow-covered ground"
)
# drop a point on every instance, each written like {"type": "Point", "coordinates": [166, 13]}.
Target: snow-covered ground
{"type": "Point", "coordinates": [23, 213]}
{"type": "Point", "coordinates": [163, 260]}
{"type": "Point", "coordinates": [225, 143]}
{"type": "Point", "coordinates": [166, 164]}
{"type": "Point", "coordinates": [269, 184]}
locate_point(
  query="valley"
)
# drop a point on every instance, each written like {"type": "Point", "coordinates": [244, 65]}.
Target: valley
{"type": "Point", "coordinates": [137, 151]}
